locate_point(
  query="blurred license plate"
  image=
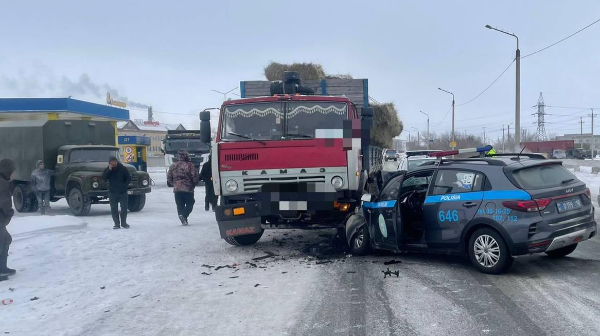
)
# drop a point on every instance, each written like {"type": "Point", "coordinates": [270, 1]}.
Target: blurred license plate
{"type": "Point", "coordinates": [568, 205]}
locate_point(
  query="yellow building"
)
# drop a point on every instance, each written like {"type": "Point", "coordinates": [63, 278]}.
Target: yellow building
{"type": "Point", "coordinates": [155, 130]}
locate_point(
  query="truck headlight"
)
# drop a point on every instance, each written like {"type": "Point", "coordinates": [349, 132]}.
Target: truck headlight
{"type": "Point", "coordinates": [145, 183]}
{"type": "Point", "coordinates": [231, 185]}
{"type": "Point", "coordinates": [337, 182]}
{"type": "Point", "coordinates": [95, 185]}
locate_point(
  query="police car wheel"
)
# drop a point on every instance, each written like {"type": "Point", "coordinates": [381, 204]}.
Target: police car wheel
{"type": "Point", "coordinates": [562, 252]}
{"type": "Point", "coordinates": [360, 243]}
{"type": "Point", "coordinates": [488, 252]}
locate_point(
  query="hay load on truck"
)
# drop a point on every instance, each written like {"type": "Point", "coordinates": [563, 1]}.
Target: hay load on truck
{"type": "Point", "coordinates": [285, 157]}
{"type": "Point", "coordinates": [77, 151]}
{"type": "Point", "coordinates": [188, 140]}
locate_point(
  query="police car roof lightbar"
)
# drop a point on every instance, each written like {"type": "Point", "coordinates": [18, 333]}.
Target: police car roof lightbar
{"type": "Point", "coordinates": [462, 151]}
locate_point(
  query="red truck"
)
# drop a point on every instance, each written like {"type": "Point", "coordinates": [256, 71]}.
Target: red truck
{"type": "Point", "coordinates": [291, 159]}
{"type": "Point", "coordinates": [556, 149]}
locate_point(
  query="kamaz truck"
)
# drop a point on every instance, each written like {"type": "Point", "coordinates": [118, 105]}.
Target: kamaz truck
{"type": "Point", "coordinates": [288, 158]}
{"type": "Point", "coordinates": [77, 151]}
{"type": "Point", "coordinates": [188, 140]}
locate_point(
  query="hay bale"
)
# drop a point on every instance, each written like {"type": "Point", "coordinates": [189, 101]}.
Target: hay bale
{"type": "Point", "coordinates": [308, 71]}
{"type": "Point", "coordinates": [339, 76]}
{"type": "Point", "coordinates": [386, 125]}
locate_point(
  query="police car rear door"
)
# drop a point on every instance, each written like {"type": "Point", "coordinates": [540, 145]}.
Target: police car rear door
{"type": "Point", "coordinates": [452, 202]}
{"type": "Point", "coordinates": [383, 216]}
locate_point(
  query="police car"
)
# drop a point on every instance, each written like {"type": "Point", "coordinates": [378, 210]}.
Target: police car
{"type": "Point", "coordinates": [489, 208]}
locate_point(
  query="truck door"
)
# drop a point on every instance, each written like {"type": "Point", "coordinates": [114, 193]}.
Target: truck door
{"type": "Point", "coordinates": [383, 216]}
{"type": "Point", "coordinates": [60, 179]}
{"type": "Point", "coordinates": [452, 202]}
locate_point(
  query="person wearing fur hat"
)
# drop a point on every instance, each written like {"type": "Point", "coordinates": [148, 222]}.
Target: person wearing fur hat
{"type": "Point", "coordinates": [183, 176]}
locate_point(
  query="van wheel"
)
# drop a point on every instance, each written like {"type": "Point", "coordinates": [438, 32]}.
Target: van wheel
{"type": "Point", "coordinates": [562, 252]}
{"type": "Point", "coordinates": [21, 199]}
{"type": "Point", "coordinates": [79, 203]}
{"type": "Point", "coordinates": [360, 244]}
{"type": "Point", "coordinates": [136, 202]}
{"type": "Point", "coordinates": [245, 240]}
{"type": "Point", "coordinates": [488, 252]}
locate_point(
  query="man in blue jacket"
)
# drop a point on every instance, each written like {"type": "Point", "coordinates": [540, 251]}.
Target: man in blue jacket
{"type": "Point", "coordinates": [118, 177]}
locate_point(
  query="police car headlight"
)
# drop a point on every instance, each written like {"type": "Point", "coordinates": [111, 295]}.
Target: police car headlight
{"type": "Point", "coordinates": [145, 182]}
{"type": "Point", "coordinates": [231, 185]}
{"type": "Point", "coordinates": [337, 182]}
{"type": "Point", "coordinates": [95, 185]}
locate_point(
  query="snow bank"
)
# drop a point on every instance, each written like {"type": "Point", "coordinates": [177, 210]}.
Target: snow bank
{"type": "Point", "coordinates": [24, 225]}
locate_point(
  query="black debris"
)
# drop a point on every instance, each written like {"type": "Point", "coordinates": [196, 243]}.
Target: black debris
{"type": "Point", "coordinates": [268, 254]}
{"type": "Point", "coordinates": [204, 273]}
{"type": "Point", "coordinates": [233, 277]}
{"type": "Point", "coordinates": [391, 262]}
{"type": "Point", "coordinates": [11, 289]}
{"type": "Point", "coordinates": [107, 311]}
{"type": "Point", "coordinates": [262, 266]}
{"type": "Point", "coordinates": [133, 297]}
{"type": "Point", "coordinates": [319, 262]}
{"type": "Point", "coordinates": [225, 266]}
{"type": "Point", "coordinates": [256, 285]}
{"type": "Point", "coordinates": [251, 264]}
{"type": "Point", "coordinates": [103, 287]}
{"type": "Point", "coordinates": [34, 298]}
{"type": "Point", "coordinates": [283, 272]}
{"type": "Point", "coordinates": [351, 272]}
{"type": "Point", "coordinates": [207, 266]}
{"type": "Point", "coordinates": [388, 272]}
{"type": "Point", "coordinates": [229, 293]}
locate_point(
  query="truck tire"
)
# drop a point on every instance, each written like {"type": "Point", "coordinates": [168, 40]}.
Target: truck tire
{"type": "Point", "coordinates": [79, 203]}
{"type": "Point", "coordinates": [21, 199]}
{"type": "Point", "coordinates": [244, 240]}
{"type": "Point", "coordinates": [136, 202]}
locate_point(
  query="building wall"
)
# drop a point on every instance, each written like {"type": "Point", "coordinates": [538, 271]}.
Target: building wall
{"type": "Point", "coordinates": [155, 140]}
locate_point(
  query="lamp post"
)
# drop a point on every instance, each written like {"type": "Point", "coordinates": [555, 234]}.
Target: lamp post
{"type": "Point", "coordinates": [453, 139]}
{"type": "Point", "coordinates": [517, 87]}
{"type": "Point", "coordinates": [225, 93]}
{"type": "Point", "coordinates": [418, 136]}
{"type": "Point", "coordinates": [427, 128]}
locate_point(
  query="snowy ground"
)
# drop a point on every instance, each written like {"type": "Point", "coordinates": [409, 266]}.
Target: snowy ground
{"type": "Point", "coordinates": [160, 278]}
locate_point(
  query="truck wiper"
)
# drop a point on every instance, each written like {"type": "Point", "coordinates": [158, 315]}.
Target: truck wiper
{"type": "Point", "coordinates": [299, 135]}
{"type": "Point", "coordinates": [567, 181]}
{"type": "Point", "coordinates": [246, 137]}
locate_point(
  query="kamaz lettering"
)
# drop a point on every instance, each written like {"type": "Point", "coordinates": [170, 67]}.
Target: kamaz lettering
{"type": "Point", "coordinates": [240, 231]}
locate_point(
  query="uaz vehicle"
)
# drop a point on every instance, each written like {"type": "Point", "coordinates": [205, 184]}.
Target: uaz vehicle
{"type": "Point", "coordinates": [78, 151]}
{"type": "Point", "coordinates": [492, 209]}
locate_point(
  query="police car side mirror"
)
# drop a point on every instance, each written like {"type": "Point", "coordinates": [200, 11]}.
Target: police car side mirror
{"type": "Point", "coordinates": [367, 198]}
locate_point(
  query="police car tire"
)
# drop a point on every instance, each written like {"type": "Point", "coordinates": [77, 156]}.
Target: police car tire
{"type": "Point", "coordinates": [505, 260]}
{"type": "Point", "coordinates": [244, 240]}
{"type": "Point", "coordinates": [562, 252]}
{"type": "Point", "coordinates": [365, 247]}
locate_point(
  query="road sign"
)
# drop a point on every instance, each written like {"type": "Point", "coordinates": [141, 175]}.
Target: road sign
{"type": "Point", "coordinates": [129, 158]}
{"type": "Point", "coordinates": [453, 144]}
{"type": "Point", "coordinates": [430, 140]}
{"type": "Point", "coordinates": [128, 150]}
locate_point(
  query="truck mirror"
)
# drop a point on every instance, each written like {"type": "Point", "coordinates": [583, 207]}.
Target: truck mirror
{"type": "Point", "coordinates": [366, 112]}
{"type": "Point", "coordinates": [205, 126]}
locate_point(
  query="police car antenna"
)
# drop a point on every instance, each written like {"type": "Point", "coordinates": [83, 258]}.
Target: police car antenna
{"type": "Point", "coordinates": [520, 152]}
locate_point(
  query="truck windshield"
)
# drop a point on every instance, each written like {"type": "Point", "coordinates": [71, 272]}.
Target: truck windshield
{"type": "Point", "coordinates": [92, 155]}
{"type": "Point", "coordinates": [266, 121]}
{"type": "Point", "coordinates": [191, 145]}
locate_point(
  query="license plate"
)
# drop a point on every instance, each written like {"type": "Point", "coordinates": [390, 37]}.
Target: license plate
{"type": "Point", "coordinates": [130, 192]}
{"type": "Point", "coordinates": [568, 205]}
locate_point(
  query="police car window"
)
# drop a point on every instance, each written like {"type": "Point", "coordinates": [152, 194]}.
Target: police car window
{"type": "Point", "coordinates": [390, 192]}
{"type": "Point", "coordinates": [456, 181]}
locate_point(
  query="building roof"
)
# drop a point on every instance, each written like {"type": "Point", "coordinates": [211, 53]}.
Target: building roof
{"type": "Point", "coordinates": [67, 108]}
{"type": "Point", "coordinates": [139, 126]}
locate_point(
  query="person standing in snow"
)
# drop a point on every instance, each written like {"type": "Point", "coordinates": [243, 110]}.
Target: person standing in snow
{"type": "Point", "coordinates": [183, 176]}
{"type": "Point", "coordinates": [118, 177]}
{"type": "Point", "coordinates": [40, 184]}
{"type": "Point", "coordinates": [7, 167]}
{"type": "Point", "coordinates": [206, 174]}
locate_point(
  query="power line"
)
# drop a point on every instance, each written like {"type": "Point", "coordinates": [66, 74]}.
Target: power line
{"type": "Point", "coordinates": [489, 86]}
{"type": "Point", "coordinates": [555, 43]}
{"type": "Point", "coordinates": [444, 116]}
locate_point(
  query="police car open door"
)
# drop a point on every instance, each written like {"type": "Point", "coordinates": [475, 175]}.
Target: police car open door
{"type": "Point", "coordinates": [383, 216]}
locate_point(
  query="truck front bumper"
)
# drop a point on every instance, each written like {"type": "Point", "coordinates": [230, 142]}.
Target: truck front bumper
{"type": "Point", "coordinates": [104, 193]}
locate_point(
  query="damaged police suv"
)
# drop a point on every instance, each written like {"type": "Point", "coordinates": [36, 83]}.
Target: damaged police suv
{"type": "Point", "coordinates": [491, 209]}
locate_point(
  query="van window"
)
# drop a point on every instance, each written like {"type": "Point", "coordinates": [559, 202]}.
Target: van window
{"type": "Point", "coordinates": [543, 176]}
{"type": "Point", "coordinates": [457, 181]}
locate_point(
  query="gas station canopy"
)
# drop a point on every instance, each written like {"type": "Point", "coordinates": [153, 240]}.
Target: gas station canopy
{"type": "Point", "coordinates": [57, 109]}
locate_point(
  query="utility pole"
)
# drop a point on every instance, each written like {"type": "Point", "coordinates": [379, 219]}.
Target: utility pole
{"type": "Point", "coordinates": [541, 124]}
{"type": "Point", "coordinates": [427, 128]}
{"type": "Point", "coordinates": [453, 138]}
{"type": "Point", "coordinates": [592, 144]}
{"type": "Point", "coordinates": [484, 142]}
{"type": "Point", "coordinates": [502, 138]}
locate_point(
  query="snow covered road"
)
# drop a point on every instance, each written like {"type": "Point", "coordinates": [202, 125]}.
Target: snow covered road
{"type": "Point", "coordinates": [160, 278]}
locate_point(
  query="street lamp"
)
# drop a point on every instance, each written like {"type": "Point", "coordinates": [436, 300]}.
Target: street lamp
{"type": "Point", "coordinates": [518, 87]}
{"type": "Point", "coordinates": [418, 136]}
{"type": "Point", "coordinates": [453, 145]}
{"type": "Point", "coordinates": [225, 93]}
{"type": "Point", "coordinates": [427, 128]}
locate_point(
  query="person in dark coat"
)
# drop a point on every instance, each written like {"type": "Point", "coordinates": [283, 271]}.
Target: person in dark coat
{"type": "Point", "coordinates": [206, 175]}
{"type": "Point", "coordinates": [40, 184]}
{"type": "Point", "coordinates": [118, 177]}
{"type": "Point", "coordinates": [7, 167]}
{"type": "Point", "coordinates": [183, 176]}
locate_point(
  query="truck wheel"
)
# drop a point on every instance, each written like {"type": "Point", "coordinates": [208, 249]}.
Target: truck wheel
{"type": "Point", "coordinates": [244, 240]}
{"type": "Point", "coordinates": [360, 243]}
{"type": "Point", "coordinates": [562, 252]}
{"type": "Point", "coordinates": [488, 252]}
{"type": "Point", "coordinates": [79, 203]}
{"type": "Point", "coordinates": [21, 199]}
{"type": "Point", "coordinates": [136, 202]}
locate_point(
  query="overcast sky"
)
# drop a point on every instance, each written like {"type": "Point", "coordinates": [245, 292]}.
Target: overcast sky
{"type": "Point", "coordinates": [170, 56]}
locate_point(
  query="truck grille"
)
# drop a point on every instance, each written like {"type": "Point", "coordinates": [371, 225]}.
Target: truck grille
{"type": "Point", "coordinates": [254, 183]}
{"type": "Point", "coordinates": [134, 182]}
{"type": "Point", "coordinates": [241, 157]}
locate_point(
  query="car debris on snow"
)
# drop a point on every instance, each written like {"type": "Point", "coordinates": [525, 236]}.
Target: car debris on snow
{"type": "Point", "coordinates": [34, 298]}
{"type": "Point", "coordinates": [229, 293]}
{"type": "Point", "coordinates": [103, 287]}
{"type": "Point", "coordinates": [320, 262]}
{"type": "Point", "coordinates": [351, 272]}
{"type": "Point", "coordinates": [251, 264]}
{"type": "Point", "coordinates": [133, 297]}
{"type": "Point", "coordinates": [256, 285]}
{"type": "Point", "coordinates": [268, 254]}
{"type": "Point", "coordinates": [225, 266]}
{"type": "Point", "coordinates": [11, 289]}
{"type": "Point", "coordinates": [391, 262]}
{"type": "Point", "coordinates": [207, 266]}
{"type": "Point", "coordinates": [388, 272]}
{"type": "Point", "coordinates": [233, 277]}
{"type": "Point", "coordinates": [204, 273]}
